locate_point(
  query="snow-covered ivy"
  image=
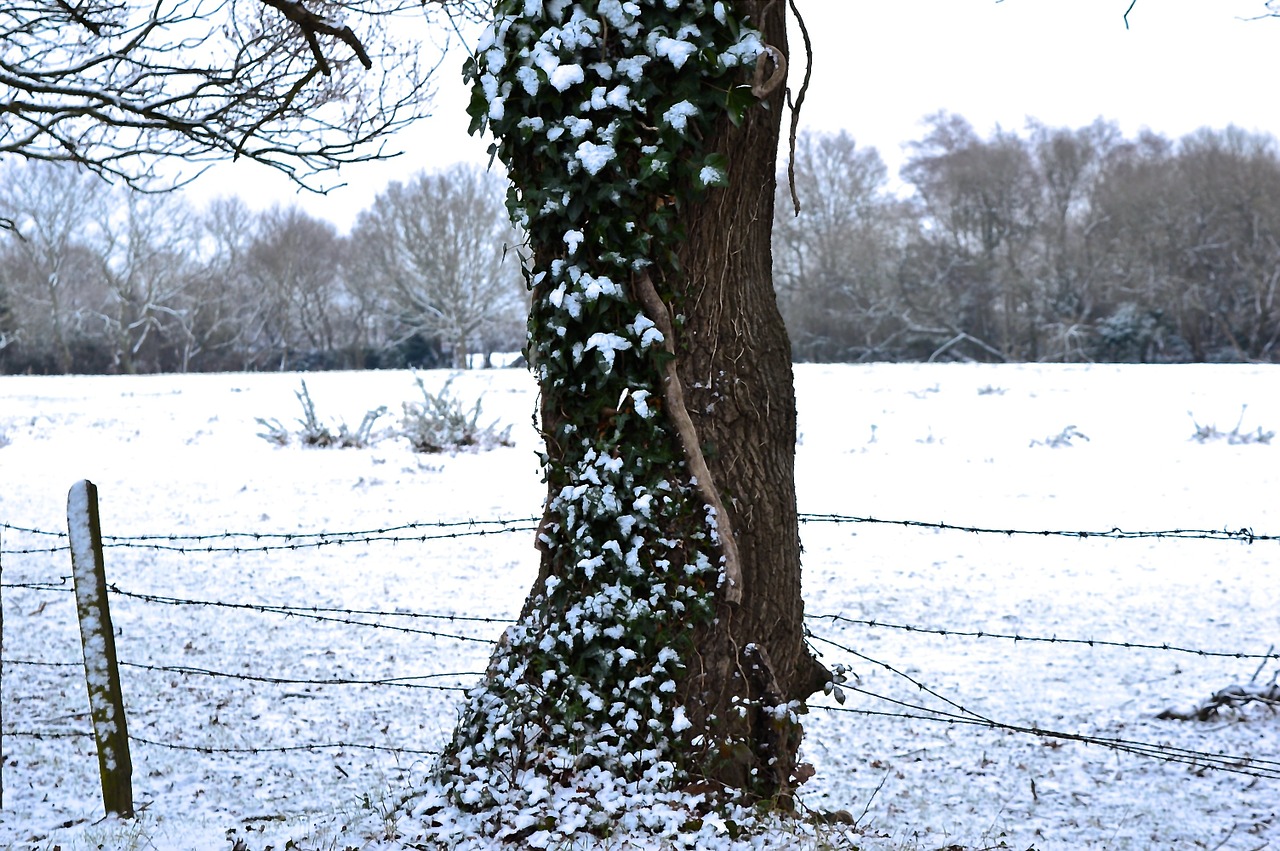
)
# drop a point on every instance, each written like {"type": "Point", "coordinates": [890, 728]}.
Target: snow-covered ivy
{"type": "Point", "coordinates": [600, 110]}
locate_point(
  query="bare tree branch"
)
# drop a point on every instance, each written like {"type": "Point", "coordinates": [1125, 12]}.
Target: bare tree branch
{"type": "Point", "coordinates": [303, 86]}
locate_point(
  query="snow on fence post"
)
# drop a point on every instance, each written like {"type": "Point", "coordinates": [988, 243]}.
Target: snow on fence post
{"type": "Point", "coordinates": [106, 703]}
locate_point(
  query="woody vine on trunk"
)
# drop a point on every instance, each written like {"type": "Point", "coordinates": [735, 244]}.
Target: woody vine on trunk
{"type": "Point", "coordinates": [660, 655]}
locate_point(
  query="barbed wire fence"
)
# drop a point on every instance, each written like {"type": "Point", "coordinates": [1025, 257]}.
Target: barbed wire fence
{"type": "Point", "coordinates": [443, 626]}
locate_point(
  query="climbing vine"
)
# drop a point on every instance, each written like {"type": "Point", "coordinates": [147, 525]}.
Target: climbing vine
{"type": "Point", "coordinates": [601, 109]}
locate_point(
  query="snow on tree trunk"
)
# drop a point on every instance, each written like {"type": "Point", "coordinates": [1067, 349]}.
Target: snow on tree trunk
{"type": "Point", "coordinates": [652, 664]}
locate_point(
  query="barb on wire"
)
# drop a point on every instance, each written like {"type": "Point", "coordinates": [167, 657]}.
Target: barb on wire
{"type": "Point", "coordinates": [1244, 534]}
{"type": "Point", "coordinates": [1089, 642]}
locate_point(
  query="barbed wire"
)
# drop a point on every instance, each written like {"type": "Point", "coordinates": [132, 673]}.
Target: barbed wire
{"type": "Point", "coordinates": [951, 712]}
{"type": "Point", "coordinates": [214, 749]}
{"type": "Point", "coordinates": [61, 585]}
{"type": "Point", "coordinates": [295, 612]}
{"type": "Point", "coordinates": [27, 551]}
{"type": "Point", "coordinates": [290, 541]}
{"type": "Point", "coordinates": [1245, 534]}
{"type": "Point", "coordinates": [1251, 766]}
{"type": "Point", "coordinates": [48, 734]}
{"type": "Point", "coordinates": [317, 746]}
{"type": "Point", "coordinates": [1089, 642]}
{"type": "Point", "coordinates": [1231, 764]}
{"type": "Point", "coordinates": [310, 540]}
{"type": "Point", "coordinates": [40, 663]}
{"type": "Point", "coordinates": [398, 682]}
{"type": "Point", "coordinates": [187, 670]}
{"type": "Point", "coordinates": [9, 527]}
{"type": "Point", "coordinates": [326, 613]}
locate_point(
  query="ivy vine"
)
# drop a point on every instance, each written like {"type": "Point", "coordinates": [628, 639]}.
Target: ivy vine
{"type": "Point", "coordinates": [601, 110]}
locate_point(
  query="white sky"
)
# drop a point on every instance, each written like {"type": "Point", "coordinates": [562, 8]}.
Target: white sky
{"type": "Point", "coordinates": [880, 66]}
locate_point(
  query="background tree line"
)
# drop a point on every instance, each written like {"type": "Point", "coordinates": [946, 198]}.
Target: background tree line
{"type": "Point", "coordinates": [95, 278]}
{"type": "Point", "coordinates": [1053, 244]}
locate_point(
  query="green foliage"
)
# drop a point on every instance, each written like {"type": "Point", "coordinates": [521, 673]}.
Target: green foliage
{"type": "Point", "coordinates": [440, 423]}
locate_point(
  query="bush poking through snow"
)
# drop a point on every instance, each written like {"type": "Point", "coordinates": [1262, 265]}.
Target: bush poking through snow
{"type": "Point", "coordinates": [439, 423]}
{"type": "Point", "coordinates": [313, 432]}
{"type": "Point", "coordinates": [1062, 438]}
{"type": "Point", "coordinates": [1230, 700]}
{"type": "Point", "coordinates": [1235, 437]}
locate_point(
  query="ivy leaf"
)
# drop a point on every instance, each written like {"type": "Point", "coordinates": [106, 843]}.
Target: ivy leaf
{"type": "Point", "coordinates": [737, 101]}
{"type": "Point", "coordinates": [478, 109]}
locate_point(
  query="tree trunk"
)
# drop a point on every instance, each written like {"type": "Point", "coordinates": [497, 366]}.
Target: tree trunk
{"type": "Point", "coordinates": [661, 650]}
{"type": "Point", "coordinates": [734, 359]}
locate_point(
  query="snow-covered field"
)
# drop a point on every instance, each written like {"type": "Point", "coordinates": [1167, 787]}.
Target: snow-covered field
{"type": "Point", "coordinates": [939, 443]}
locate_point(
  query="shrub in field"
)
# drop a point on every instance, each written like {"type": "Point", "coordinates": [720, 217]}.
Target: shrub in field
{"type": "Point", "coordinates": [1204, 434]}
{"type": "Point", "coordinates": [440, 423]}
{"type": "Point", "coordinates": [314, 432]}
{"type": "Point", "coordinates": [1062, 438]}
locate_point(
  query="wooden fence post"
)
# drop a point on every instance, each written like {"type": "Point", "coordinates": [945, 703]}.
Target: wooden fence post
{"type": "Point", "coordinates": [106, 703]}
{"type": "Point", "coordinates": [1, 670]}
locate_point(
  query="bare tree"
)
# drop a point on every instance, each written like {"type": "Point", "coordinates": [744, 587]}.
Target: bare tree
{"type": "Point", "coordinates": [295, 264]}
{"type": "Point", "coordinates": [115, 84]}
{"type": "Point", "coordinates": [835, 262]}
{"type": "Point", "coordinates": [440, 250]}
{"type": "Point", "coordinates": [1067, 266]}
{"type": "Point", "coordinates": [980, 202]}
{"type": "Point", "coordinates": [149, 253]}
{"type": "Point", "coordinates": [54, 272]}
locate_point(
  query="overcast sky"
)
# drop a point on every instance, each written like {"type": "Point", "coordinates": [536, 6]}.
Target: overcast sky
{"type": "Point", "coordinates": [880, 66]}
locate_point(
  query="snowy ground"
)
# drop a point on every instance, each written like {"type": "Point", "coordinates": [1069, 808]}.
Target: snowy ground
{"type": "Point", "coordinates": [947, 443]}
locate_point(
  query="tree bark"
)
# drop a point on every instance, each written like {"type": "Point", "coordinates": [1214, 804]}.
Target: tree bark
{"type": "Point", "coordinates": [735, 363]}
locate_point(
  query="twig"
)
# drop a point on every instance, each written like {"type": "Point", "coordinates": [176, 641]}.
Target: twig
{"type": "Point", "coordinates": [795, 107]}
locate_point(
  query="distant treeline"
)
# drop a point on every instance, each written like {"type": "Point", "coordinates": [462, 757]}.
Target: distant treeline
{"type": "Point", "coordinates": [1048, 245]}
{"type": "Point", "coordinates": [95, 279]}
